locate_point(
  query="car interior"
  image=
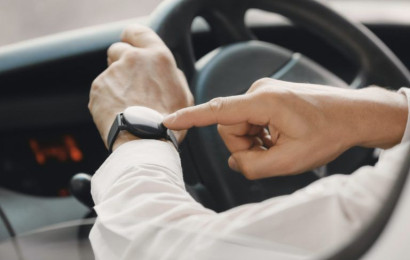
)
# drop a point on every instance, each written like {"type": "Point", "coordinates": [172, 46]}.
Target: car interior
{"type": "Point", "coordinates": [50, 147]}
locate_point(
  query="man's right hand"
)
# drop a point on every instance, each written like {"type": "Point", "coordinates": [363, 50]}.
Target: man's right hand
{"type": "Point", "coordinates": [280, 128]}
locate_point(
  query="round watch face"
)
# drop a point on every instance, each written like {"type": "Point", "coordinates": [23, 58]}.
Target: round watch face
{"type": "Point", "coordinates": [144, 122]}
{"type": "Point", "coordinates": [138, 115]}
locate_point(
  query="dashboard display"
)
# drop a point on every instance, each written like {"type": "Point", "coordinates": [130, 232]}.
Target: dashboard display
{"type": "Point", "coordinates": [64, 150]}
{"type": "Point", "coordinates": [42, 162]}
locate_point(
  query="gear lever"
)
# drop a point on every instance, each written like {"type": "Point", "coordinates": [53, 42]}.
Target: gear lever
{"type": "Point", "coordinates": [80, 187]}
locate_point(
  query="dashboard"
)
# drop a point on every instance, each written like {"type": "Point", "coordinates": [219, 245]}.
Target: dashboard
{"type": "Point", "coordinates": [48, 134]}
{"type": "Point", "coordinates": [41, 162]}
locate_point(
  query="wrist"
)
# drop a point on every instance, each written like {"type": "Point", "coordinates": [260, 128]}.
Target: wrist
{"type": "Point", "coordinates": [122, 138]}
{"type": "Point", "coordinates": [138, 122]}
{"type": "Point", "coordinates": [380, 117]}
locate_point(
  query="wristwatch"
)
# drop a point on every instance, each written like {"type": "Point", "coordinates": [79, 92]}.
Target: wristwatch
{"type": "Point", "coordinates": [141, 122]}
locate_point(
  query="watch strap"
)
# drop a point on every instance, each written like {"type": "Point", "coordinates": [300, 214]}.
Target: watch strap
{"type": "Point", "coordinates": [114, 131]}
{"type": "Point", "coordinates": [171, 137]}
{"type": "Point", "coordinates": [119, 125]}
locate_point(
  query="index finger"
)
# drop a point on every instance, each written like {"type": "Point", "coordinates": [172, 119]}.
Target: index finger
{"type": "Point", "coordinates": [141, 36]}
{"type": "Point", "coordinates": [222, 110]}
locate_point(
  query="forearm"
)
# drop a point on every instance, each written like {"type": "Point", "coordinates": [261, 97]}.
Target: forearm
{"type": "Point", "coordinates": [144, 211]}
{"type": "Point", "coordinates": [378, 117]}
{"type": "Point", "coordinates": [138, 188]}
{"type": "Point", "coordinates": [142, 207]}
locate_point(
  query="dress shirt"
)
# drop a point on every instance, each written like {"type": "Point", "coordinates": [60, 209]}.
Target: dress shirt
{"type": "Point", "coordinates": [144, 211]}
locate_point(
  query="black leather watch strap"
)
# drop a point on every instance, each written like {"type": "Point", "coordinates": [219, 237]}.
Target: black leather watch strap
{"type": "Point", "coordinates": [120, 123]}
{"type": "Point", "coordinates": [115, 129]}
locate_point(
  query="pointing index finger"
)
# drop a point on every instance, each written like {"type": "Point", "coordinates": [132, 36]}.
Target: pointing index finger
{"type": "Point", "coordinates": [222, 110]}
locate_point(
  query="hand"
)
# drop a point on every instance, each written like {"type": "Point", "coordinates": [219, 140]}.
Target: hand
{"type": "Point", "coordinates": [141, 71]}
{"type": "Point", "coordinates": [280, 128]}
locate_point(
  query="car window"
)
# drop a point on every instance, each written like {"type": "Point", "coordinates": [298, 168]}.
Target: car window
{"type": "Point", "coordinates": [27, 19]}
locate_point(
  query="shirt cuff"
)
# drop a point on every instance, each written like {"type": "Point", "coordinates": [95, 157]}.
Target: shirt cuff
{"type": "Point", "coordinates": [406, 135]}
{"type": "Point", "coordinates": [132, 155]}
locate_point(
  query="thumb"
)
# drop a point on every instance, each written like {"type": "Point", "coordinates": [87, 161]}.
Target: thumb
{"type": "Point", "coordinates": [260, 163]}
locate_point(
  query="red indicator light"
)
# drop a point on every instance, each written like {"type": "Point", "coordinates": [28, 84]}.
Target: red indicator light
{"type": "Point", "coordinates": [63, 151]}
{"type": "Point", "coordinates": [40, 157]}
{"type": "Point", "coordinates": [75, 154]}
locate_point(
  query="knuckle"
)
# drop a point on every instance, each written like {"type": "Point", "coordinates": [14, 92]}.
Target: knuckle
{"type": "Point", "coordinates": [260, 82]}
{"type": "Point", "coordinates": [162, 56]}
{"type": "Point", "coordinates": [263, 81]}
{"type": "Point", "coordinates": [129, 29]}
{"type": "Point", "coordinates": [217, 104]}
{"type": "Point", "coordinates": [112, 48]}
{"type": "Point", "coordinates": [132, 56]}
{"type": "Point", "coordinates": [96, 84]}
{"type": "Point", "coordinates": [126, 32]}
{"type": "Point", "coordinates": [90, 104]}
{"type": "Point", "coordinates": [134, 30]}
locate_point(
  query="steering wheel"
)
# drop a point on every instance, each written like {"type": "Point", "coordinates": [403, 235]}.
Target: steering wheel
{"type": "Point", "coordinates": [242, 59]}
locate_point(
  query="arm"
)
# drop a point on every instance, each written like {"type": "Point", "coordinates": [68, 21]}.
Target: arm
{"type": "Point", "coordinates": [143, 208]}
{"type": "Point", "coordinates": [309, 125]}
{"type": "Point", "coordinates": [144, 211]}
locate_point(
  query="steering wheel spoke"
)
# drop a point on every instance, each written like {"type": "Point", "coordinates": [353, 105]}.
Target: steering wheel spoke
{"type": "Point", "coordinates": [228, 27]}
{"type": "Point", "coordinates": [185, 58]}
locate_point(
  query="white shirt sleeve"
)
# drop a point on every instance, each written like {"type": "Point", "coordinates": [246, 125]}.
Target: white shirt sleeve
{"type": "Point", "coordinates": [406, 135]}
{"type": "Point", "coordinates": [144, 211]}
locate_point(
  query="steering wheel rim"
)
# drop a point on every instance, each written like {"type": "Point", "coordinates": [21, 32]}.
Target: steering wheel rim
{"type": "Point", "coordinates": [173, 18]}
{"type": "Point", "coordinates": [172, 21]}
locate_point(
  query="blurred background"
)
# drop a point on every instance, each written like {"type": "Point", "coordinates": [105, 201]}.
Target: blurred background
{"type": "Point", "coordinates": [26, 19]}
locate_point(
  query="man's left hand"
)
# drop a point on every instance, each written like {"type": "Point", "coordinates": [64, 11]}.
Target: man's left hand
{"type": "Point", "coordinates": [141, 72]}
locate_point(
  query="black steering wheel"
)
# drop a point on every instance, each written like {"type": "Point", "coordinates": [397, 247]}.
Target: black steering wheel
{"type": "Point", "coordinates": [241, 60]}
